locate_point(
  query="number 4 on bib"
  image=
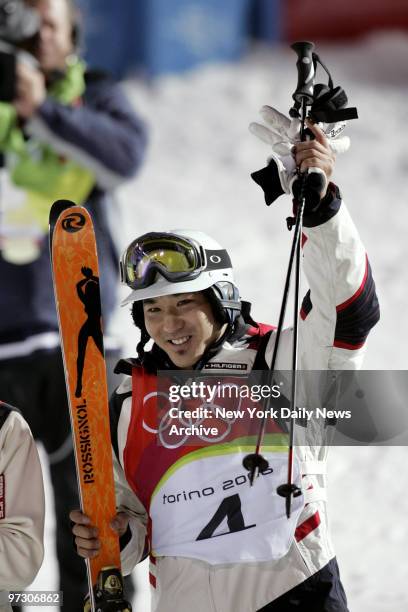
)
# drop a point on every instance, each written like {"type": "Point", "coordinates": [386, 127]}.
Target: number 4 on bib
{"type": "Point", "coordinates": [229, 509]}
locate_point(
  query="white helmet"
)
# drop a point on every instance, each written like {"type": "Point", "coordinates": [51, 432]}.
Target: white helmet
{"type": "Point", "coordinates": [179, 261]}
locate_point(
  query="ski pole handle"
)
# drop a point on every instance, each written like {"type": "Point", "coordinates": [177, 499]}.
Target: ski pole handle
{"type": "Point", "coordinates": [306, 71]}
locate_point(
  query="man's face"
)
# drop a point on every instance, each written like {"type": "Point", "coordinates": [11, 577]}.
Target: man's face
{"type": "Point", "coordinates": [55, 35]}
{"type": "Point", "coordinates": [183, 325]}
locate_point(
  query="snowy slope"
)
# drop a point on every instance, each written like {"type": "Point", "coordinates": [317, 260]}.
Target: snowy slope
{"type": "Point", "coordinates": [197, 175]}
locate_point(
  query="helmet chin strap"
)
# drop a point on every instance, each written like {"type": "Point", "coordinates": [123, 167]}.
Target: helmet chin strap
{"type": "Point", "coordinates": [231, 304]}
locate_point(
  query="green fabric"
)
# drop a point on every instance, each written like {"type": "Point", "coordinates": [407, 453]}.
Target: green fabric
{"type": "Point", "coordinates": [72, 86]}
{"type": "Point", "coordinates": [34, 166]}
{"type": "Point", "coordinates": [11, 137]}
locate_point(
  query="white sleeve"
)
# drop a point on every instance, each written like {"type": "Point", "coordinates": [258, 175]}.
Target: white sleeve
{"type": "Point", "coordinates": [22, 509]}
{"type": "Point", "coordinates": [341, 306]}
{"type": "Point", "coordinates": [126, 501]}
{"type": "Point", "coordinates": [342, 294]}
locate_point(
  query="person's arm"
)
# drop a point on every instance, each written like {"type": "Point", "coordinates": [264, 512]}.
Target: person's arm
{"type": "Point", "coordinates": [80, 290]}
{"type": "Point", "coordinates": [22, 507]}
{"type": "Point", "coordinates": [133, 543]}
{"type": "Point", "coordinates": [129, 523]}
{"type": "Point", "coordinates": [104, 134]}
{"type": "Point", "coordinates": [341, 306]}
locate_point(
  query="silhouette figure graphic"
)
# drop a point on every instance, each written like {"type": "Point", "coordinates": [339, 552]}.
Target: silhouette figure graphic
{"type": "Point", "coordinates": [88, 293]}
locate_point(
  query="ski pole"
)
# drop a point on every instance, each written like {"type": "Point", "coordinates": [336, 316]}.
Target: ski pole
{"type": "Point", "coordinates": [303, 97]}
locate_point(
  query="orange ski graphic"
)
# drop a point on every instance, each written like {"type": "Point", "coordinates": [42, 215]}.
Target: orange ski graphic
{"type": "Point", "coordinates": [76, 286]}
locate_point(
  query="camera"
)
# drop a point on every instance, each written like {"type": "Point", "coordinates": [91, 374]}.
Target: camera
{"type": "Point", "coordinates": [18, 24]}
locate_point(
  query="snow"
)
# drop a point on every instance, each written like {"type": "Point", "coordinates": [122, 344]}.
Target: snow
{"type": "Point", "coordinates": [197, 175]}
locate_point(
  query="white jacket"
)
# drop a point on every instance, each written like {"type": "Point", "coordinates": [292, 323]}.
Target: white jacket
{"type": "Point", "coordinates": [21, 508]}
{"type": "Point", "coordinates": [335, 319]}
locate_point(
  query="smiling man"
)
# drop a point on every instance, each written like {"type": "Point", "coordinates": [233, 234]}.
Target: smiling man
{"type": "Point", "coordinates": [215, 543]}
{"type": "Point", "coordinates": [183, 326]}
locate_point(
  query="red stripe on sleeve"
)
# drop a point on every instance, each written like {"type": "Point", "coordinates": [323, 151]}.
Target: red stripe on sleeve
{"type": "Point", "coordinates": [346, 345]}
{"type": "Point", "coordinates": [152, 580]}
{"type": "Point", "coordinates": [307, 526]}
{"type": "Point", "coordinates": [357, 293]}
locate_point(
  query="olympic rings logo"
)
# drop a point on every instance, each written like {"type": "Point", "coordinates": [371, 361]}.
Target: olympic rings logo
{"type": "Point", "coordinates": [166, 421]}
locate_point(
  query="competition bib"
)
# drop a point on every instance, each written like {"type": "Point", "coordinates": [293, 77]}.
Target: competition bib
{"type": "Point", "coordinates": [205, 508]}
{"type": "Point", "coordinates": [200, 501]}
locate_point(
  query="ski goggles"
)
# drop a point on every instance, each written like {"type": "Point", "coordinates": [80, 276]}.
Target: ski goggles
{"type": "Point", "coordinates": [174, 257]}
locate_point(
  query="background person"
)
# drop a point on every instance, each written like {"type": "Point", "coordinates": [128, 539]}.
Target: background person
{"type": "Point", "coordinates": [21, 505]}
{"type": "Point", "coordinates": [70, 133]}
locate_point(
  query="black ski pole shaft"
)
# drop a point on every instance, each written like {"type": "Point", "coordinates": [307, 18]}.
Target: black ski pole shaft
{"type": "Point", "coordinates": [255, 461]}
{"type": "Point", "coordinates": [289, 489]}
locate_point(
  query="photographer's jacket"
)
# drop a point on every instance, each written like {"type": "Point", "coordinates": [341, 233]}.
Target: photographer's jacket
{"type": "Point", "coordinates": [21, 506]}
{"type": "Point", "coordinates": [84, 140]}
{"type": "Point", "coordinates": [216, 543]}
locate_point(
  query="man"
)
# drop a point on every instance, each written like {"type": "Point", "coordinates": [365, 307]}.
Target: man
{"type": "Point", "coordinates": [21, 506]}
{"type": "Point", "coordinates": [216, 543]}
{"type": "Point", "coordinates": [69, 133]}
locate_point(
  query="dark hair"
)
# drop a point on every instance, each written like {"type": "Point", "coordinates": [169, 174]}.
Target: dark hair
{"type": "Point", "coordinates": [138, 320]}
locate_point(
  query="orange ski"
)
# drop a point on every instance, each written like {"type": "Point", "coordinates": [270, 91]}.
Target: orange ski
{"type": "Point", "coordinates": [77, 297]}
